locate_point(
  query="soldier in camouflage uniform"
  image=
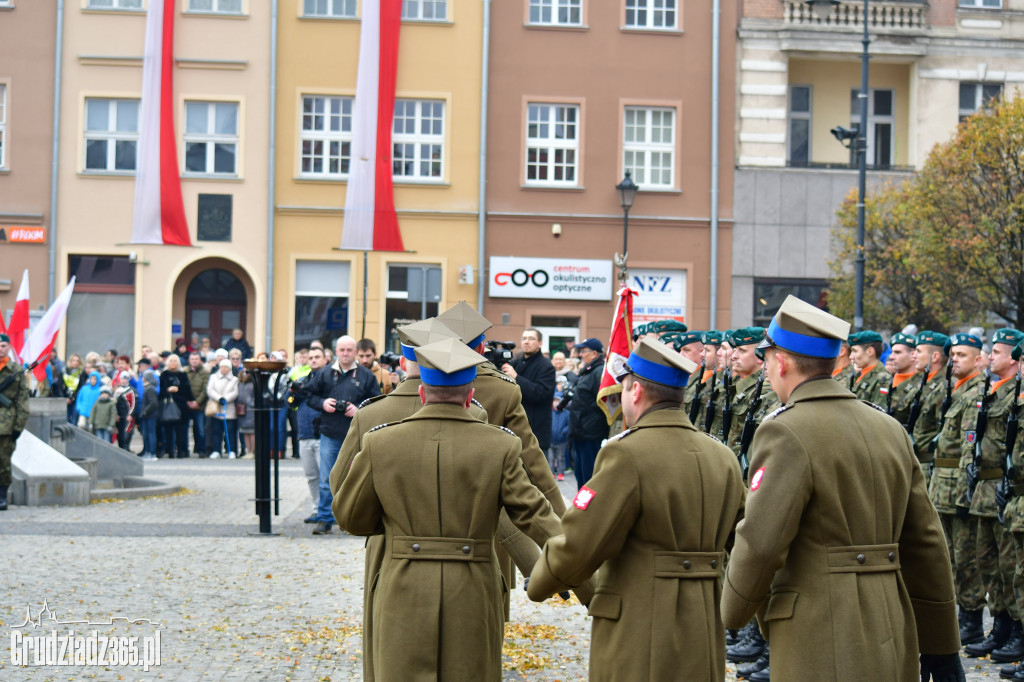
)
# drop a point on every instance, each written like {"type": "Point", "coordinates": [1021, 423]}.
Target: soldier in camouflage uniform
{"type": "Point", "coordinates": [712, 341]}
{"type": "Point", "coordinates": [905, 382]}
{"type": "Point", "coordinates": [689, 345]}
{"type": "Point", "coordinates": [746, 366]}
{"type": "Point", "coordinates": [870, 377]}
{"type": "Point", "coordinates": [948, 486]}
{"type": "Point", "coordinates": [995, 547]}
{"type": "Point", "coordinates": [930, 356]}
{"type": "Point", "coordinates": [13, 416]}
{"type": "Point", "coordinates": [843, 373]}
{"type": "Point", "coordinates": [1013, 517]}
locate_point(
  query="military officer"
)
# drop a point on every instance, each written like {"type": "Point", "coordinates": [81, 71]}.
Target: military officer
{"type": "Point", "coordinates": [983, 455]}
{"type": "Point", "coordinates": [840, 554]}
{"type": "Point", "coordinates": [746, 366]}
{"type": "Point", "coordinates": [13, 415]}
{"type": "Point", "coordinates": [657, 514]}
{"type": "Point", "coordinates": [903, 384]}
{"type": "Point", "coordinates": [930, 358]}
{"type": "Point", "coordinates": [869, 374]}
{"type": "Point", "coordinates": [437, 605]}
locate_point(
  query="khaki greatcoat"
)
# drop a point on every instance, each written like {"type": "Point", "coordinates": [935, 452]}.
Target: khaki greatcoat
{"type": "Point", "coordinates": [840, 553]}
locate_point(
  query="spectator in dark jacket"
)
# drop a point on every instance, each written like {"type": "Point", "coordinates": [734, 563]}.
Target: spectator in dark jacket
{"type": "Point", "coordinates": [174, 386]}
{"type": "Point", "coordinates": [148, 414]}
{"type": "Point", "coordinates": [238, 341]}
{"type": "Point", "coordinates": [308, 422]}
{"type": "Point", "coordinates": [587, 423]}
{"type": "Point", "coordinates": [536, 378]}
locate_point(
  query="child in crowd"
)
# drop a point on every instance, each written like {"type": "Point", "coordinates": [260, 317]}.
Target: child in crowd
{"type": "Point", "coordinates": [103, 417]}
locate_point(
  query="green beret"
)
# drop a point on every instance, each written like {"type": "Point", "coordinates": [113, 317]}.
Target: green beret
{"type": "Point", "coordinates": [4, 338]}
{"type": "Point", "coordinates": [678, 340]}
{"type": "Point", "coordinates": [712, 338]}
{"type": "Point", "coordinates": [962, 340]}
{"type": "Point", "coordinates": [1011, 337]}
{"type": "Point", "coordinates": [659, 326]}
{"type": "Point", "coordinates": [865, 337]}
{"type": "Point", "coordinates": [851, 340]}
{"type": "Point", "coordinates": [1017, 351]}
{"type": "Point", "coordinates": [746, 336]}
{"type": "Point", "coordinates": [930, 338]}
{"type": "Point", "coordinates": [904, 339]}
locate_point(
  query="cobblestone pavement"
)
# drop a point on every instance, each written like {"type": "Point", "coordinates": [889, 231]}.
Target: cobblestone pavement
{"type": "Point", "coordinates": [229, 604]}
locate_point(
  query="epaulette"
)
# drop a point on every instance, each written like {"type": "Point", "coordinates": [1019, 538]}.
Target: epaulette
{"type": "Point", "coordinates": [505, 429]}
{"type": "Point", "coordinates": [877, 407]}
{"type": "Point", "coordinates": [618, 436]}
{"type": "Point", "coordinates": [714, 438]}
{"type": "Point", "coordinates": [476, 402]}
{"type": "Point", "coordinates": [506, 377]}
{"type": "Point", "coordinates": [381, 426]}
{"type": "Point", "coordinates": [370, 400]}
{"type": "Point", "coordinates": [773, 415]}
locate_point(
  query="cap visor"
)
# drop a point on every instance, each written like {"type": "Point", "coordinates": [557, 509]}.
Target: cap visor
{"type": "Point", "coordinates": [765, 343]}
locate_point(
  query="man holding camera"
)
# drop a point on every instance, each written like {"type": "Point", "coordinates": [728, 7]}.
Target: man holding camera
{"type": "Point", "coordinates": [536, 378]}
{"type": "Point", "coordinates": [336, 391]}
{"type": "Point", "coordinates": [587, 423]}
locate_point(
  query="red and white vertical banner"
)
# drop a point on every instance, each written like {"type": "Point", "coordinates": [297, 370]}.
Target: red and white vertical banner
{"type": "Point", "coordinates": [609, 397]}
{"type": "Point", "coordinates": [370, 222]}
{"type": "Point", "coordinates": [43, 336]}
{"type": "Point", "coordinates": [18, 328]}
{"type": "Point", "coordinates": [159, 216]}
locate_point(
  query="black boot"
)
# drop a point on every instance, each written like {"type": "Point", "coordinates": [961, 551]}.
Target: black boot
{"type": "Point", "coordinates": [971, 631]}
{"type": "Point", "coordinates": [1008, 671]}
{"type": "Point", "coordinates": [744, 672]}
{"type": "Point", "coordinates": [1013, 650]}
{"type": "Point", "coordinates": [748, 650]}
{"type": "Point", "coordinates": [3, 498]}
{"type": "Point", "coordinates": [763, 675]}
{"type": "Point", "coordinates": [997, 637]}
{"type": "Point", "coordinates": [731, 636]}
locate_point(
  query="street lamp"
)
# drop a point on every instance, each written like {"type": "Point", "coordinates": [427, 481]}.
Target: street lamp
{"type": "Point", "coordinates": [627, 193]}
{"type": "Point", "coordinates": [858, 140]}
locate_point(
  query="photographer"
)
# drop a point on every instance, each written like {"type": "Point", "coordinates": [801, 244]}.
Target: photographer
{"type": "Point", "coordinates": [587, 423]}
{"type": "Point", "coordinates": [366, 353]}
{"type": "Point", "coordinates": [536, 378]}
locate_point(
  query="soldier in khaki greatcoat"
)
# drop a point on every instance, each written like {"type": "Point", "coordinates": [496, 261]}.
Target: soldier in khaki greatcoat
{"type": "Point", "coordinates": [840, 553]}
{"type": "Point", "coordinates": [657, 513]}
{"type": "Point", "coordinates": [13, 416]}
{"type": "Point", "coordinates": [435, 482]}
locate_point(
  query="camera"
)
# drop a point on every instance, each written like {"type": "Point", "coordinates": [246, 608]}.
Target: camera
{"type": "Point", "coordinates": [567, 397]}
{"type": "Point", "coordinates": [389, 359]}
{"type": "Point", "coordinates": [499, 352]}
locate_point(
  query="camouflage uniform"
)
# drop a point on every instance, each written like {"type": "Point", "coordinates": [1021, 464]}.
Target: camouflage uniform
{"type": "Point", "coordinates": [927, 426]}
{"type": "Point", "coordinates": [903, 391]}
{"type": "Point", "coordinates": [1013, 516]}
{"type": "Point", "coordinates": [741, 402]}
{"type": "Point", "coordinates": [12, 418]}
{"type": "Point", "coordinates": [844, 376]}
{"type": "Point", "coordinates": [691, 391]}
{"type": "Point", "coordinates": [870, 385]}
{"type": "Point", "coordinates": [948, 484]}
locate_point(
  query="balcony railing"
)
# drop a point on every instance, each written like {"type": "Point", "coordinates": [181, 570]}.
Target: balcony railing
{"type": "Point", "coordinates": [888, 16]}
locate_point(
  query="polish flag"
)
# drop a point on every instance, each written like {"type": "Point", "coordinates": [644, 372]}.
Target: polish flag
{"type": "Point", "coordinates": [370, 222]}
{"type": "Point", "coordinates": [159, 216]}
{"type": "Point", "coordinates": [18, 328]}
{"type": "Point", "coordinates": [41, 340]}
{"type": "Point", "coordinates": [609, 395]}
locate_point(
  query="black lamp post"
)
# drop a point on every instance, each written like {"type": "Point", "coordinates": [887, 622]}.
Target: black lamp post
{"type": "Point", "coordinates": [627, 193]}
{"type": "Point", "coordinates": [858, 138]}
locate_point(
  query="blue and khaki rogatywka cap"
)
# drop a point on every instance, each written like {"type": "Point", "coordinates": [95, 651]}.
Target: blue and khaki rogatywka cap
{"type": "Point", "coordinates": [903, 340]}
{"type": "Point", "coordinates": [653, 361]}
{"type": "Point", "coordinates": [465, 321]}
{"type": "Point", "coordinates": [422, 333]}
{"type": "Point", "coordinates": [801, 328]}
{"type": "Point", "coordinates": [448, 363]}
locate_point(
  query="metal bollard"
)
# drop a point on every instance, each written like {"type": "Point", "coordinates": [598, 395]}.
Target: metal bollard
{"type": "Point", "coordinates": [261, 371]}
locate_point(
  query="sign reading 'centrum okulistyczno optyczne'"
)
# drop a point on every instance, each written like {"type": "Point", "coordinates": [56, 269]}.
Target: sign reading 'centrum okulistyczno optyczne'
{"type": "Point", "coordinates": [558, 278]}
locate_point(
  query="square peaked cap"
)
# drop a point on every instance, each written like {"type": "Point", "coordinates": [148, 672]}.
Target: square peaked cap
{"type": "Point", "coordinates": [422, 333]}
{"type": "Point", "coordinates": [801, 328]}
{"type": "Point", "coordinates": [654, 361]}
{"type": "Point", "coordinates": [466, 322]}
{"type": "Point", "coordinates": [448, 363]}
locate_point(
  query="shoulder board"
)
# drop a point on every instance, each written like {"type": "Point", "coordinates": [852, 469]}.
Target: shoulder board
{"type": "Point", "coordinates": [370, 400]}
{"type": "Point", "coordinates": [378, 427]}
{"type": "Point", "coordinates": [877, 407]}
{"type": "Point", "coordinates": [618, 436]}
{"type": "Point", "coordinates": [776, 413]}
{"type": "Point", "coordinates": [475, 402]}
{"type": "Point", "coordinates": [714, 438]}
{"type": "Point", "coordinates": [505, 429]}
{"type": "Point", "coordinates": [502, 375]}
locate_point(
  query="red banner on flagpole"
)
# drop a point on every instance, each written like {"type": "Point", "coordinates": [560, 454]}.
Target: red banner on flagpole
{"type": "Point", "coordinates": [619, 346]}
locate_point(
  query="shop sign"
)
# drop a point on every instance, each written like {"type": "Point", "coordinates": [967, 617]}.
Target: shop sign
{"type": "Point", "coordinates": [565, 279]}
{"type": "Point", "coordinates": [661, 295]}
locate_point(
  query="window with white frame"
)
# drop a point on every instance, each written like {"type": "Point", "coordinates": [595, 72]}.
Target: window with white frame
{"type": "Point", "coordinates": [798, 141]}
{"type": "Point", "coordinates": [552, 144]}
{"type": "Point", "coordinates": [986, 4]}
{"type": "Point", "coordinates": [211, 138]}
{"type": "Point", "coordinates": [976, 96]}
{"type": "Point", "coordinates": [417, 138]}
{"type": "Point", "coordinates": [3, 125]}
{"type": "Point", "coordinates": [114, 4]}
{"type": "Point", "coordinates": [111, 134]}
{"type": "Point", "coordinates": [216, 6]}
{"type": "Point", "coordinates": [648, 146]}
{"type": "Point", "coordinates": [880, 129]}
{"type": "Point", "coordinates": [556, 12]}
{"type": "Point", "coordinates": [425, 10]}
{"type": "Point", "coordinates": [329, 8]}
{"type": "Point", "coordinates": [654, 14]}
{"type": "Point", "coordinates": [6, 3]}
{"type": "Point", "coordinates": [326, 136]}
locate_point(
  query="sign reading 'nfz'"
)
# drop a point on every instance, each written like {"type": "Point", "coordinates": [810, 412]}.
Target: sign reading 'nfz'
{"type": "Point", "coordinates": [557, 278]}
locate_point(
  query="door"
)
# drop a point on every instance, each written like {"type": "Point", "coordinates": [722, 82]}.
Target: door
{"type": "Point", "coordinates": [215, 304]}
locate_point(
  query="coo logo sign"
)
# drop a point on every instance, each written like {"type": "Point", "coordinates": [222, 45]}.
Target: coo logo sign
{"type": "Point", "coordinates": [520, 277]}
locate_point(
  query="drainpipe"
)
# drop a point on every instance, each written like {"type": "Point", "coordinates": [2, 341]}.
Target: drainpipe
{"type": "Point", "coordinates": [482, 200]}
{"type": "Point", "coordinates": [272, 165]}
{"type": "Point", "coordinates": [716, 12]}
{"type": "Point", "coordinates": [55, 150]}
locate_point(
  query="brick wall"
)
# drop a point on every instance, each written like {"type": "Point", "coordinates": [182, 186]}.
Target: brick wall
{"type": "Point", "coordinates": [762, 9]}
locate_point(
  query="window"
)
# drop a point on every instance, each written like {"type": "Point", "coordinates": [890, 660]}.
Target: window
{"type": "Point", "coordinates": [3, 125]}
{"type": "Point", "coordinates": [556, 12]}
{"type": "Point", "coordinates": [326, 136]}
{"type": "Point", "coordinates": [414, 293]}
{"type": "Point", "coordinates": [976, 96]}
{"type": "Point", "coordinates": [216, 6]}
{"type": "Point", "coordinates": [329, 8]}
{"type": "Point", "coordinates": [655, 14]}
{"type": "Point", "coordinates": [111, 134]}
{"type": "Point", "coordinates": [881, 122]}
{"type": "Point", "coordinates": [648, 146]}
{"type": "Point", "coordinates": [418, 139]}
{"type": "Point", "coordinates": [104, 290]}
{"type": "Point", "coordinates": [321, 301]}
{"type": "Point", "coordinates": [425, 10]}
{"type": "Point", "coordinates": [211, 138]}
{"type": "Point", "coordinates": [987, 4]}
{"type": "Point", "coordinates": [114, 4]}
{"type": "Point", "coordinates": [799, 138]}
{"type": "Point", "coordinates": [552, 143]}
{"type": "Point", "coordinates": [770, 293]}
{"type": "Point", "coordinates": [213, 222]}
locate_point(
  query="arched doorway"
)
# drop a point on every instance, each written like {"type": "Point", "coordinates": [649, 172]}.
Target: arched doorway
{"type": "Point", "coordinates": [215, 304]}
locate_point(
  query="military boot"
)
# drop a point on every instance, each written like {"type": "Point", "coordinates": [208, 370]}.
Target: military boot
{"type": "Point", "coordinates": [763, 675]}
{"type": "Point", "coordinates": [3, 498]}
{"type": "Point", "coordinates": [997, 637]}
{"type": "Point", "coordinates": [1013, 650]}
{"type": "Point", "coordinates": [744, 672]}
{"type": "Point", "coordinates": [742, 635]}
{"type": "Point", "coordinates": [971, 631]}
{"type": "Point", "coordinates": [748, 650]}
{"type": "Point", "coordinates": [731, 636]}
{"type": "Point", "coordinates": [1008, 671]}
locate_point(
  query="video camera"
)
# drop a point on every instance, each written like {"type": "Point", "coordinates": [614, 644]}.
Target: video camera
{"type": "Point", "coordinates": [389, 359]}
{"type": "Point", "coordinates": [567, 397]}
{"type": "Point", "coordinates": [499, 352]}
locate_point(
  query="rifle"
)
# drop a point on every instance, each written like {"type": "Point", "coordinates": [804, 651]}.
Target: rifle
{"type": "Point", "coordinates": [709, 413]}
{"type": "Point", "coordinates": [915, 407]}
{"type": "Point", "coordinates": [695, 405]}
{"type": "Point", "coordinates": [4, 400]}
{"type": "Point", "coordinates": [853, 378]}
{"type": "Point", "coordinates": [750, 424]}
{"type": "Point", "coordinates": [946, 403]}
{"type": "Point", "coordinates": [974, 468]}
{"type": "Point", "coordinates": [888, 395]}
{"type": "Point", "coordinates": [727, 407]}
{"type": "Point", "coordinates": [1009, 473]}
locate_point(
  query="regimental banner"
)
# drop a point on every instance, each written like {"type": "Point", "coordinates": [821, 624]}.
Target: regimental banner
{"type": "Point", "coordinates": [661, 294]}
{"type": "Point", "coordinates": [567, 279]}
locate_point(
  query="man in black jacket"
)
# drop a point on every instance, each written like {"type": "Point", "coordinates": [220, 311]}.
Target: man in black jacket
{"type": "Point", "coordinates": [587, 423]}
{"type": "Point", "coordinates": [536, 378]}
{"type": "Point", "coordinates": [336, 391]}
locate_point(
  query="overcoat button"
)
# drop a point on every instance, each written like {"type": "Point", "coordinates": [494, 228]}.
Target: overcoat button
{"type": "Point", "coordinates": [686, 564]}
{"type": "Point", "coordinates": [465, 549]}
{"type": "Point", "coordinates": [416, 547]}
{"type": "Point", "coordinates": [892, 556]}
{"type": "Point", "coordinates": [714, 563]}
{"type": "Point", "coordinates": [861, 558]}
